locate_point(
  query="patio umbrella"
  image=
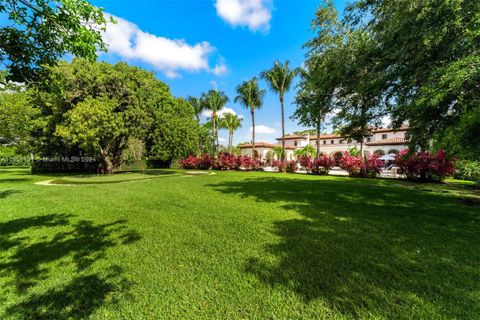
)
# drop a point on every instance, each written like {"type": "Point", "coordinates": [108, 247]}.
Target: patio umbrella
{"type": "Point", "coordinates": [387, 157]}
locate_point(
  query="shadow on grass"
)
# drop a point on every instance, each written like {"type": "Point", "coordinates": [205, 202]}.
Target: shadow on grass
{"type": "Point", "coordinates": [34, 248]}
{"type": "Point", "coordinates": [6, 193]}
{"type": "Point", "coordinates": [368, 248]}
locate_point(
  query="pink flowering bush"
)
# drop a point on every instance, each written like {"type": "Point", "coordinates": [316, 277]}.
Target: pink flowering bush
{"type": "Point", "coordinates": [306, 162]}
{"type": "Point", "coordinates": [291, 166]}
{"type": "Point", "coordinates": [190, 162]}
{"type": "Point", "coordinates": [361, 167]}
{"type": "Point", "coordinates": [425, 166]}
{"type": "Point", "coordinates": [227, 161]}
{"type": "Point", "coordinates": [323, 164]}
{"type": "Point", "coordinates": [250, 164]}
{"type": "Point", "coordinates": [205, 162]}
{"type": "Point", "coordinates": [317, 166]}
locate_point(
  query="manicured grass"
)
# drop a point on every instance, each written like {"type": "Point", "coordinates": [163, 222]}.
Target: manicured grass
{"type": "Point", "coordinates": [237, 245]}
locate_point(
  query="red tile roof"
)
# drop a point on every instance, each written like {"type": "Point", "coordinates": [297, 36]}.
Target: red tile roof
{"type": "Point", "coordinates": [337, 136]}
{"type": "Point", "coordinates": [264, 145]}
{"type": "Point", "coordinates": [391, 141]}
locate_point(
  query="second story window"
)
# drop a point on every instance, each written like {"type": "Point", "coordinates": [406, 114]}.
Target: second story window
{"type": "Point", "coordinates": [324, 141]}
{"type": "Point", "coordinates": [369, 139]}
{"type": "Point", "coordinates": [384, 136]}
{"type": "Point", "coordinates": [295, 143]}
{"type": "Point", "coordinates": [332, 141]}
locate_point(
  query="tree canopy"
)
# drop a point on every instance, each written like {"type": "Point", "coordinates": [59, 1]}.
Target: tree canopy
{"type": "Point", "coordinates": [96, 108]}
{"type": "Point", "coordinates": [42, 31]}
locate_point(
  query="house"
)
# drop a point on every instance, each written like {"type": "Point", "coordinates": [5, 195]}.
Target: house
{"type": "Point", "coordinates": [382, 141]}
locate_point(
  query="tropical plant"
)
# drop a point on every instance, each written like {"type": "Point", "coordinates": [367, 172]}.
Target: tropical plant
{"type": "Point", "coordinates": [308, 150]}
{"type": "Point", "coordinates": [277, 152]}
{"type": "Point", "coordinates": [231, 122]}
{"type": "Point", "coordinates": [214, 101]}
{"type": "Point", "coordinates": [251, 97]}
{"type": "Point", "coordinates": [279, 79]}
{"type": "Point", "coordinates": [197, 107]}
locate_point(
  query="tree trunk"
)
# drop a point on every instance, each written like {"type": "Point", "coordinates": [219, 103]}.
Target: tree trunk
{"type": "Point", "coordinates": [214, 114]}
{"type": "Point", "coordinates": [283, 130]}
{"type": "Point", "coordinates": [107, 164]}
{"type": "Point", "coordinates": [199, 149]}
{"type": "Point", "coordinates": [252, 111]}
{"type": "Point", "coordinates": [230, 142]}
{"type": "Point", "coordinates": [319, 122]}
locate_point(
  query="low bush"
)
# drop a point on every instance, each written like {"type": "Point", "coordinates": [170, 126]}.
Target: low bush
{"type": "Point", "coordinates": [227, 161]}
{"type": "Point", "coordinates": [250, 164]}
{"type": "Point", "coordinates": [192, 162]}
{"type": "Point", "coordinates": [467, 170]}
{"type": "Point", "coordinates": [425, 166]}
{"type": "Point", "coordinates": [321, 165]}
{"type": "Point", "coordinates": [205, 162]}
{"type": "Point", "coordinates": [291, 166]}
{"type": "Point", "coordinates": [358, 166]}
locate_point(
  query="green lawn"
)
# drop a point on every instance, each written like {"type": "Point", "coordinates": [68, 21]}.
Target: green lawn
{"type": "Point", "coordinates": [236, 245]}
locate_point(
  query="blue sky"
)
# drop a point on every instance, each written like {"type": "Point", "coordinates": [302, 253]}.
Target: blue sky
{"type": "Point", "coordinates": [196, 45]}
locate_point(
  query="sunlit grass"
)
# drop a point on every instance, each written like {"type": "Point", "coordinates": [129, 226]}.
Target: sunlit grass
{"type": "Point", "coordinates": [236, 245]}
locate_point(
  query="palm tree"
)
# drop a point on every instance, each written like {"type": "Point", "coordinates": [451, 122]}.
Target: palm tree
{"type": "Point", "coordinates": [231, 122]}
{"type": "Point", "coordinates": [250, 96]}
{"type": "Point", "coordinates": [214, 101]}
{"type": "Point", "coordinates": [279, 78]}
{"type": "Point", "coordinates": [197, 106]}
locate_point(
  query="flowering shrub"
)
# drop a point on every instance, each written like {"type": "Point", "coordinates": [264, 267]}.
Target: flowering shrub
{"type": "Point", "coordinates": [361, 167]}
{"type": "Point", "coordinates": [205, 162]}
{"type": "Point", "coordinates": [249, 163]}
{"type": "Point", "coordinates": [190, 162]}
{"type": "Point", "coordinates": [425, 166]}
{"type": "Point", "coordinates": [279, 165]}
{"type": "Point", "coordinates": [227, 161]}
{"type": "Point", "coordinates": [323, 164]}
{"type": "Point", "coordinates": [291, 166]}
{"type": "Point", "coordinates": [306, 162]}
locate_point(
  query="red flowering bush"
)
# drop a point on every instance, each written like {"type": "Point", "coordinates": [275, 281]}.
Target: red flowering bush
{"type": "Point", "coordinates": [306, 162]}
{"type": "Point", "coordinates": [205, 162]}
{"type": "Point", "coordinates": [323, 164]}
{"type": "Point", "coordinates": [190, 162]}
{"type": "Point", "coordinates": [249, 163]}
{"type": "Point", "coordinates": [291, 166]}
{"type": "Point", "coordinates": [193, 162]}
{"type": "Point", "coordinates": [425, 166]}
{"type": "Point", "coordinates": [361, 167]}
{"type": "Point", "coordinates": [227, 161]}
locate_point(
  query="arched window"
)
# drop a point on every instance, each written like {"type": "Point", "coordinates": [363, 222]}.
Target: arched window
{"type": "Point", "coordinates": [379, 152]}
{"type": "Point", "coordinates": [394, 151]}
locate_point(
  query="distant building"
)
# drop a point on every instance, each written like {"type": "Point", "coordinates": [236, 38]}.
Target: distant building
{"type": "Point", "coordinates": [382, 141]}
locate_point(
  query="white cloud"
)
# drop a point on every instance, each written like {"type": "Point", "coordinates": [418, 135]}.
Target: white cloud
{"type": "Point", "coordinates": [262, 129]}
{"type": "Point", "coordinates": [220, 139]}
{"type": "Point", "coordinates": [220, 113]}
{"type": "Point", "coordinates": [169, 56]}
{"type": "Point", "coordinates": [219, 69]}
{"type": "Point", "coordinates": [254, 14]}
